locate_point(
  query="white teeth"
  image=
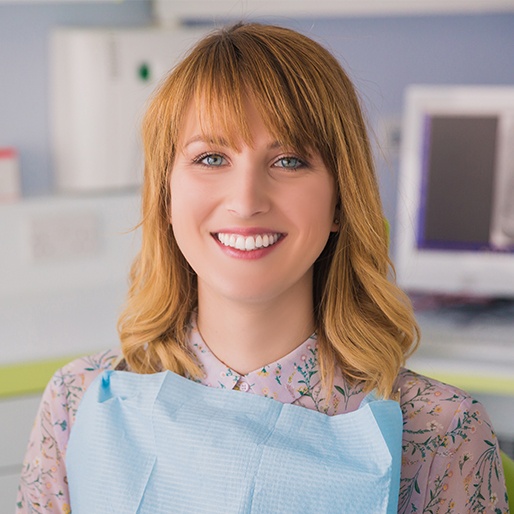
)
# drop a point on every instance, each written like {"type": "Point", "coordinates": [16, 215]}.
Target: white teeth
{"type": "Point", "coordinates": [240, 243]}
{"type": "Point", "coordinates": [248, 243]}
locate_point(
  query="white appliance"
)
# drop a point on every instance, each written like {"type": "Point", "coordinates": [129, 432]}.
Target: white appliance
{"type": "Point", "coordinates": [100, 82]}
{"type": "Point", "coordinates": [456, 198]}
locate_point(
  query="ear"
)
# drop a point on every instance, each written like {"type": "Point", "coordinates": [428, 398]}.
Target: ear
{"type": "Point", "coordinates": [337, 220]}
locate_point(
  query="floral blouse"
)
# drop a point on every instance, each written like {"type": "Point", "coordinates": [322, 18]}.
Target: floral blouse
{"type": "Point", "coordinates": [450, 459]}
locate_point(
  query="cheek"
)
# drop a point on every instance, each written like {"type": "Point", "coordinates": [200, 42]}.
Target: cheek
{"type": "Point", "coordinates": [179, 215]}
{"type": "Point", "coordinates": [189, 214]}
{"type": "Point", "coordinates": [322, 201]}
{"type": "Point", "coordinates": [181, 197]}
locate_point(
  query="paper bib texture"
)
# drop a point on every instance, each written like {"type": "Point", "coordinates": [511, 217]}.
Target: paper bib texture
{"type": "Point", "coordinates": [162, 444]}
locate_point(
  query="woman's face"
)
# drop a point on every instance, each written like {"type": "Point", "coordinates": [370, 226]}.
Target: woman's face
{"type": "Point", "coordinates": [250, 221]}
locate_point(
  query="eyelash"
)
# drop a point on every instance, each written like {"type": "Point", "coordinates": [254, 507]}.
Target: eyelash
{"type": "Point", "coordinates": [198, 160]}
{"type": "Point", "coordinates": [301, 162]}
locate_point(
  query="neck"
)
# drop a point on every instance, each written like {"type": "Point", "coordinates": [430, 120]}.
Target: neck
{"type": "Point", "coordinates": [247, 336]}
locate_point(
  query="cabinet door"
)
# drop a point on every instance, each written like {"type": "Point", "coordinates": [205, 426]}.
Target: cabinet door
{"type": "Point", "coordinates": [8, 488]}
{"type": "Point", "coordinates": [16, 419]}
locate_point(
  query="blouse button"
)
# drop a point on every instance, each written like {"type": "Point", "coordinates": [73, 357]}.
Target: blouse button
{"type": "Point", "coordinates": [244, 387]}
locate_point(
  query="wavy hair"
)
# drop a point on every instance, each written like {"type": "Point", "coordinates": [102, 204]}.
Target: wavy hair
{"type": "Point", "coordinates": [365, 323]}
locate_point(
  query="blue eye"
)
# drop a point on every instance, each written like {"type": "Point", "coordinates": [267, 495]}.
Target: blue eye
{"type": "Point", "coordinates": [290, 163]}
{"type": "Point", "coordinates": [212, 160]}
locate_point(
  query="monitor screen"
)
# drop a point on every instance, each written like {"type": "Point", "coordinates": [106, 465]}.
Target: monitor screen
{"type": "Point", "coordinates": [456, 201]}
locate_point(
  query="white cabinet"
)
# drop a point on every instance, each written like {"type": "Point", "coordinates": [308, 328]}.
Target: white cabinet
{"type": "Point", "coordinates": [17, 416]}
{"type": "Point", "coordinates": [8, 488]}
{"type": "Point", "coordinates": [63, 274]}
{"type": "Point", "coordinates": [207, 9]}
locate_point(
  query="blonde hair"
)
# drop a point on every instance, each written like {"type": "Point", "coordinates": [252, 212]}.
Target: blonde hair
{"type": "Point", "coordinates": [365, 324]}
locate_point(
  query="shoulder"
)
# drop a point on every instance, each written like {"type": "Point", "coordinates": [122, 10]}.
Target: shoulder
{"type": "Point", "coordinates": [422, 396]}
{"type": "Point", "coordinates": [69, 383]}
{"type": "Point", "coordinates": [438, 410]}
{"type": "Point", "coordinates": [450, 457]}
{"type": "Point", "coordinates": [92, 365]}
{"type": "Point", "coordinates": [422, 391]}
{"type": "Point", "coordinates": [43, 482]}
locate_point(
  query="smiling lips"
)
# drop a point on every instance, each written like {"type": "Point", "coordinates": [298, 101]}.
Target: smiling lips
{"type": "Point", "coordinates": [247, 243]}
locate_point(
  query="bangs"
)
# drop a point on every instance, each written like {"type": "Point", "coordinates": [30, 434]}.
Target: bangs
{"type": "Point", "coordinates": [229, 69]}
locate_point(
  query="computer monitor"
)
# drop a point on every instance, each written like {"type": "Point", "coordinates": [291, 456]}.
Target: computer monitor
{"type": "Point", "coordinates": [455, 226]}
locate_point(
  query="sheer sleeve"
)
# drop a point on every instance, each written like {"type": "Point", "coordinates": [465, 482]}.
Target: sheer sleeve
{"type": "Point", "coordinates": [43, 485]}
{"type": "Point", "coordinates": [450, 462]}
{"type": "Point", "coordinates": [466, 474]}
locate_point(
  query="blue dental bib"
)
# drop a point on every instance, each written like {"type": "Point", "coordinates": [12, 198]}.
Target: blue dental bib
{"type": "Point", "coordinates": [162, 444]}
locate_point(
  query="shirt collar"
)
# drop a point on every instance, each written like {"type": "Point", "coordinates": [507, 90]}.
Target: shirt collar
{"type": "Point", "coordinates": [285, 380]}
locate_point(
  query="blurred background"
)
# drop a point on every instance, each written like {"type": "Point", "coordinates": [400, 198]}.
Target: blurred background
{"type": "Point", "coordinates": [74, 78]}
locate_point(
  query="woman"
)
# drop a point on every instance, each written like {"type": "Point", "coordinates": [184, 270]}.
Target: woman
{"type": "Point", "coordinates": [264, 268]}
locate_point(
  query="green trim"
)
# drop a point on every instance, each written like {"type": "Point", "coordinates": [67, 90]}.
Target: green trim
{"type": "Point", "coordinates": [28, 377]}
{"type": "Point", "coordinates": [32, 377]}
{"type": "Point", "coordinates": [508, 470]}
{"type": "Point", "coordinates": [475, 383]}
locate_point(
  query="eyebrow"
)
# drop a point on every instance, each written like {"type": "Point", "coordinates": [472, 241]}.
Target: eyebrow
{"type": "Point", "coordinates": [223, 142]}
{"type": "Point", "coordinates": [202, 139]}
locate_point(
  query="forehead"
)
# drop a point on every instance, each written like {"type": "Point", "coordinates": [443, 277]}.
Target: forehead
{"type": "Point", "coordinates": [216, 124]}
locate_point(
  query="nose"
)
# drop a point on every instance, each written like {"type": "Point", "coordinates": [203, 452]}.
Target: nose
{"type": "Point", "coordinates": [249, 192]}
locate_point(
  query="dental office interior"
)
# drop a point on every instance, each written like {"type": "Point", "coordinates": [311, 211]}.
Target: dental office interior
{"type": "Point", "coordinates": [437, 83]}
